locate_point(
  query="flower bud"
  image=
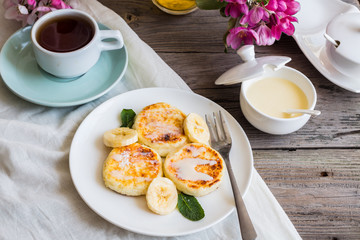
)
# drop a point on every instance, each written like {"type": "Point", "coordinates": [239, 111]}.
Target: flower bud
{"type": "Point", "coordinates": [292, 7]}
{"type": "Point", "coordinates": [272, 5]}
{"type": "Point", "coordinates": [282, 6]}
{"type": "Point", "coordinates": [274, 19]}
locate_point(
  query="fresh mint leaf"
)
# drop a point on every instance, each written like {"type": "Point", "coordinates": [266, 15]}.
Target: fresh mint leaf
{"type": "Point", "coordinates": [127, 118]}
{"type": "Point", "coordinates": [189, 207]}
{"type": "Point", "coordinates": [210, 4]}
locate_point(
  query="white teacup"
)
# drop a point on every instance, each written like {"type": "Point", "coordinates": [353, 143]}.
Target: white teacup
{"type": "Point", "coordinates": [65, 63]}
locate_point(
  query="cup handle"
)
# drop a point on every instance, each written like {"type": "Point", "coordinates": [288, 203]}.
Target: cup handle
{"type": "Point", "coordinates": [114, 35]}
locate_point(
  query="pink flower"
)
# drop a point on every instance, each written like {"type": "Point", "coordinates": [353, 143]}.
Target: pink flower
{"type": "Point", "coordinates": [38, 13]}
{"type": "Point", "coordinates": [292, 7]}
{"type": "Point", "coordinates": [59, 4]}
{"type": "Point", "coordinates": [235, 8]}
{"type": "Point", "coordinates": [32, 3]}
{"type": "Point", "coordinates": [259, 21]}
{"type": "Point", "coordinates": [256, 14]}
{"type": "Point", "coordinates": [284, 26]}
{"type": "Point", "coordinates": [241, 35]}
{"type": "Point", "coordinates": [281, 6]}
{"type": "Point", "coordinates": [265, 35]}
{"type": "Point", "coordinates": [281, 19]}
{"type": "Point", "coordinates": [272, 5]}
{"type": "Point", "coordinates": [28, 11]}
{"type": "Point", "coordinates": [15, 11]}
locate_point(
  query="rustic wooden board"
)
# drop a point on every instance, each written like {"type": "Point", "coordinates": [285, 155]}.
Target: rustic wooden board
{"type": "Point", "coordinates": [315, 172]}
{"type": "Point", "coordinates": [318, 189]}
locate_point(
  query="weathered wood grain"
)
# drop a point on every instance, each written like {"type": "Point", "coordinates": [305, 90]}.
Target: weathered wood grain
{"type": "Point", "coordinates": [318, 189]}
{"type": "Point", "coordinates": [315, 172]}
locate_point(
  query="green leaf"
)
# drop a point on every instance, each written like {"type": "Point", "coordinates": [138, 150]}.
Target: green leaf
{"type": "Point", "coordinates": [127, 118]}
{"type": "Point", "coordinates": [222, 12]}
{"type": "Point", "coordinates": [210, 4]}
{"type": "Point", "coordinates": [189, 207]}
{"type": "Point", "coordinates": [265, 2]}
{"type": "Point", "coordinates": [232, 22]}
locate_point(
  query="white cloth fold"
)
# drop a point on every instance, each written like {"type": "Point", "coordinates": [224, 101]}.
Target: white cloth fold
{"type": "Point", "coordinates": [37, 197]}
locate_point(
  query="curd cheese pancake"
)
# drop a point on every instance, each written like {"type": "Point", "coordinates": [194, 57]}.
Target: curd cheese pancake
{"type": "Point", "coordinates": [196, 169]}
{"type": "Point", "coordinates": [130, 169]}
{"type": "Point", "coordinates": [160, 126]}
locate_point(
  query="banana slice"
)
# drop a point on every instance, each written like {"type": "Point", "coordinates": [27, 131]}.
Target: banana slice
{"type": "Point", "coordinates": [119, 137]}
{"type": "Point", "coordinates": [162, 196]}
{"type": "Point", "coordinates": [196, 129]}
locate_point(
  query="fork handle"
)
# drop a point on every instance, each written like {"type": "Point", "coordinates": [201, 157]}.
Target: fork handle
{"type": "Point", "coordinates": [246, 227]}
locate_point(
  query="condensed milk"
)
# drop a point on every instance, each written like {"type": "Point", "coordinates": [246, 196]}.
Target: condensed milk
{"type": "Point", "coordinates": [273, 96]}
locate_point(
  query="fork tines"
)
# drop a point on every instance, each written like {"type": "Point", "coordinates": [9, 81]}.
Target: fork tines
{"type": "Point", "coordinates": [218, 128]}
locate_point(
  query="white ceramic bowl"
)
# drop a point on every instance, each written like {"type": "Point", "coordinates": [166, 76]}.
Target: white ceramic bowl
{"type": "Point", "coordinates": [345, 29]}
{"type": "Point", "coordinates": [274, 125]}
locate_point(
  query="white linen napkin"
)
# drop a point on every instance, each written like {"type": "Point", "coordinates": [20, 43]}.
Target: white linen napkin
{"type": "Point", "coordinates": [37, 197]}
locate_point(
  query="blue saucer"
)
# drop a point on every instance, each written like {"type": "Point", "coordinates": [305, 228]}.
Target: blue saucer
{"type": "Point", "coordinates": [26, 79]}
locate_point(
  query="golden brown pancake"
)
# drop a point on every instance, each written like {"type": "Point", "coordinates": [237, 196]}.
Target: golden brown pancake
{"type": "Point", "coordinates": [196, 169]}
{"type": "Point", "coordinates": [160, 126]}
{"type": "Point", "coordinates": [130, 169]}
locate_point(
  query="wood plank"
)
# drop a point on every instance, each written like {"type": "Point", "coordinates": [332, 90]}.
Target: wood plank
{"type": "Point", "coordinates": [319, 190]}
{"type": "Point", "coordinates": [173, 33]}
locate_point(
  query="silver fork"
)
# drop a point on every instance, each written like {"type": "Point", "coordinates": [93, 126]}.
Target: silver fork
{"type": "Point", "coordinates": [221, 142]}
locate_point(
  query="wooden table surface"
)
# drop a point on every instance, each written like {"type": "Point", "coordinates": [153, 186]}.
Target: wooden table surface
{"type": "Point", "coordinates": [314, 173]}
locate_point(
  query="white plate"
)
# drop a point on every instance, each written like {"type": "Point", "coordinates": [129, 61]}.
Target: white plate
{"type": "Point", "coordinates": [88, 153]}
{"type": "Point", "coordinates": [313, 18]}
